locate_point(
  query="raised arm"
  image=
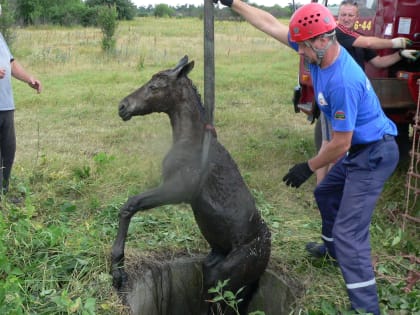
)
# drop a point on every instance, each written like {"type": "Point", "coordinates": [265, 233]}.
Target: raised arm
{"type": "Point", "coordinates": [372, 42]}
{"type": "Point", "coordinates": [261, 19]}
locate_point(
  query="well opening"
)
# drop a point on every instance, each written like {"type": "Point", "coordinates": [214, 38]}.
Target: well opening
{"type": "Point", "coordinates": [173, 287]}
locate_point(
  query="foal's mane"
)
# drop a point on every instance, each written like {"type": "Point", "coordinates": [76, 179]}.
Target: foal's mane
{"type": "Point", "coordinates": [198, 100]}
{"type": "Point", "coordinates": [201, 107]}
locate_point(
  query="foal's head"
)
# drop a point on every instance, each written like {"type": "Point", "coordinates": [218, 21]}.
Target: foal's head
{"type": "Point", "coordinates": [160, 94]}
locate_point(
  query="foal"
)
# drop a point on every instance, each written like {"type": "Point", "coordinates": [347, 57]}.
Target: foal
{"type": "Point", "coordinates": [223, 207]}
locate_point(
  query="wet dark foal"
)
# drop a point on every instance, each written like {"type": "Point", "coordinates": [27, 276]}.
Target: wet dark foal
{"type": "Point", "coordinates": [223, 207]}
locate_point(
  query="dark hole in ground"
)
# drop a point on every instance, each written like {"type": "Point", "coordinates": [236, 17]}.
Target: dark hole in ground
{"type": "Point", "coordinates": [172, 286]}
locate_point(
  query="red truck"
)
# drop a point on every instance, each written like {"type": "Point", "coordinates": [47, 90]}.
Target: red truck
{"type": "Point", "coordinates": [395, 86]}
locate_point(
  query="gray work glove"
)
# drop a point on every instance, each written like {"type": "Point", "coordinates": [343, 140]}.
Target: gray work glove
{"type": "Point", "coordinates": [224, 2]}
{"type": "Point", "coordinates": [401, 42]}
{"type": "Point", "coordinates": [410, 54]}
{"type": "Point", "coordinates": [297, 175]}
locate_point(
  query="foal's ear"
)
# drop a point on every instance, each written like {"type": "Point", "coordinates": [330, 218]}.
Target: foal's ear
{"type": "Point", "coordinates": [186, 69]}
{"type": "Point", "coordinates": [182, 62]}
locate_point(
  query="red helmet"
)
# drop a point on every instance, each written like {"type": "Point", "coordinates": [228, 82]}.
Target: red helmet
{"type": "Point", "coordinates": [309, 21]}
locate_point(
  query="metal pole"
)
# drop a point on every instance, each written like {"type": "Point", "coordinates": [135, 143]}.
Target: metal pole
{"type": "Point", "coordinates": [208, 84]}
{"type": "Point", "coordinates": [209, 60]}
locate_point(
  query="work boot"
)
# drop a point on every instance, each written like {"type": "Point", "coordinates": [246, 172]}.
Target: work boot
{"type": "Point", "coordinates": [316, 250]}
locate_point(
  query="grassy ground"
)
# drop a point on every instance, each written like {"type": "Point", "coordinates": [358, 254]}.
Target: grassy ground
{"type": "Point", "coordinates": [77, 162]}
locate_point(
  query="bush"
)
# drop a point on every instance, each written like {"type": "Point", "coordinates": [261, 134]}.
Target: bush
{"type": "Point", "coordinates": [107, 21]}
{"type": "Point", "coordinates": [163, 10]}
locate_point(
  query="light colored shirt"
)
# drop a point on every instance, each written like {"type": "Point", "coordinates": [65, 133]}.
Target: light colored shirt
{"type": "Point", "coordinates": [6, 92]}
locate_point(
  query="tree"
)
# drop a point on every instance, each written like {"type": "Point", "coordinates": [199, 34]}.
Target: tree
{"type": "Point", "coordinates": [28, 11]}
{"type": "Point", "coordinates": [63, 12]}
{"type": "Point", "coordinates": [143, 11]}
{"type": "Point", "coordinates": [163, 10]}
{"type": "Point", "coordinates": [125, 8]}
{"type": "Point", "coordinates": [6, 22]}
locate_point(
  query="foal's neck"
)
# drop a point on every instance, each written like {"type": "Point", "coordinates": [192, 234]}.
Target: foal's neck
{"type": "Point", "coordinates": [186, 121]}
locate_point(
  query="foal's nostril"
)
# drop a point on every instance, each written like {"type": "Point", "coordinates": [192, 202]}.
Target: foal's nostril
{"type": "Point", "coordinates": [121, 106]}
{"type": "Point", "coordinates": [123, 112]}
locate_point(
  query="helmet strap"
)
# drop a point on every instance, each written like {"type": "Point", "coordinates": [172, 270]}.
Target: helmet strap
{"type": "Point", "coordinates": [320, 53]}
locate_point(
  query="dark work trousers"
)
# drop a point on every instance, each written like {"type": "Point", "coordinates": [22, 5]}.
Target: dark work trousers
{"type": "Point", "coordinates": [7, 146]}
{"type": "Point", "coordinates": [346, 199]}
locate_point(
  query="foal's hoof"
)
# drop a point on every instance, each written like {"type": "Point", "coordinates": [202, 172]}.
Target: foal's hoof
{"type": "Point", "coordinates": [119, 278]}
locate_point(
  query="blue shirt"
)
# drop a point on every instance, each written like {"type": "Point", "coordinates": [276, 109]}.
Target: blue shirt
{"type": "Point", "coordinates": [6, 93]}
{"type": "Point", "coordinates": [344, 94]}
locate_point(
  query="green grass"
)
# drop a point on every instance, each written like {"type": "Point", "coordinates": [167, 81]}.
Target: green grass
{"type": "Point", "coordinates": [77, 162]}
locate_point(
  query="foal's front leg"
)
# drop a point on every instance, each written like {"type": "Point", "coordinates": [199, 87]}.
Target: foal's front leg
{"type": "Point", "coordinates": [153, 198]}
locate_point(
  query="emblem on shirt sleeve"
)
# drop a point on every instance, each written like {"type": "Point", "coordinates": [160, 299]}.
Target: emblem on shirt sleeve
{"type": "Point", "coordinates": [339, 115]}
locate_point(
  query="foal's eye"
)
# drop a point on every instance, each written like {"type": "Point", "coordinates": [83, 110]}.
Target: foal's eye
{"type": "Point", "coordinates": [153, 87]}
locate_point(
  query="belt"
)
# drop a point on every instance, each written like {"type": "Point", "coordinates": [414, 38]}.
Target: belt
{"type": "Point", "coordinates": [359, 147]}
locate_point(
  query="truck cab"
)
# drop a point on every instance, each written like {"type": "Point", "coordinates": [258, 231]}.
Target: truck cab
{"type": "Point", "coordinates": [395, 86]}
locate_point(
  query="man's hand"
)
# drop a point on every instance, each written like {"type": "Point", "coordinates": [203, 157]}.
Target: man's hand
{"type": "Point", "coordinates": [401, 42]}
{"type": "Point", "coordinates": [224, 2]}
{"type": "Point", "coordinates": [410, 54]}
{"type": "Point", "coordinates": [35, 84]}
{"type": "Point", "coordinates": [297, 175]}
